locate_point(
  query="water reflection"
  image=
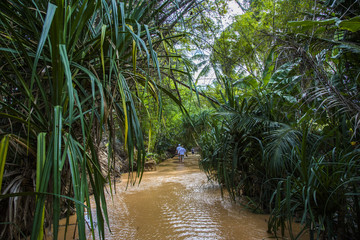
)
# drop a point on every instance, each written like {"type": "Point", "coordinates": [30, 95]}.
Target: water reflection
{"type": "Point", "coordinates": [177, 202]}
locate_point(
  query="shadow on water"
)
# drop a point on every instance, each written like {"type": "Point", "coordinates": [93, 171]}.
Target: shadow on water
{"type": "Point", "coordinates": [177, 202]}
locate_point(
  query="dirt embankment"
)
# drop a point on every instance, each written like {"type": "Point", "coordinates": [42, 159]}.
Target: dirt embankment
{"type": "Point", "coordinates": [118, 163]}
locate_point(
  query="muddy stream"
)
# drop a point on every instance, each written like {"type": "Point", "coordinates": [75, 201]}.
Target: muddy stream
{"type": "Point", "coordinates": [177, 202]}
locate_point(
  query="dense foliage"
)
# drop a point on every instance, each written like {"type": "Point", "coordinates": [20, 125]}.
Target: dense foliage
{"type": "Point", "coordinates": [72, 71]}
{"type": "Point", "coordinates": [286, 135]}
{"type": "Point", "coordinates": [278, 128]}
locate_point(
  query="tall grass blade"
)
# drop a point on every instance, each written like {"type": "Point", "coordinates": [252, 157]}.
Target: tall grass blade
{"type": "Point", "coordinates": [44, 35]}
{"type": "Point", "coordinates": [57, 139]}
{"type": "Point", "coordinates": [41, 158]}
{"type": "Point", "coordinates": [4, 145]}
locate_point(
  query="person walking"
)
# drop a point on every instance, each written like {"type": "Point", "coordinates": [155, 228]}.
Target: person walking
{"type": "Point", "coordinates": [182, 152]}
{"type": "Point", "coordinates": [177, 151]}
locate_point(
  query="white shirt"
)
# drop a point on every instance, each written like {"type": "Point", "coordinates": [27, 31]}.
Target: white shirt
{"type": "Point", "coordinates": [182, 151]}
{"type": "Point", "coordinates": [177, 149]}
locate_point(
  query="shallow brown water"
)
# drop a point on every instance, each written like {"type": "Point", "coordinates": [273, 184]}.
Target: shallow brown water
{"type": "Point", "coordinates": [177, 202]}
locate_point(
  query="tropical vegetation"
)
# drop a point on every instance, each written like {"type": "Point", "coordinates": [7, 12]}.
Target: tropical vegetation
{"type": "Point", "coordinates": [286, 134]}
{"type": "Point", "coordinates": [278, 127]}
{"type": "Point", "coordinates": [72, 71]}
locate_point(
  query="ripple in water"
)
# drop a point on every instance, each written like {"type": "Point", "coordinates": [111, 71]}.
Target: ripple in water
{"type": "Point", "coordinates": [177, 202]}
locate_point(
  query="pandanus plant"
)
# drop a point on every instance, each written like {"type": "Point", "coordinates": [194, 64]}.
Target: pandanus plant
{"type": "Point", "coordinates": [70, 71]}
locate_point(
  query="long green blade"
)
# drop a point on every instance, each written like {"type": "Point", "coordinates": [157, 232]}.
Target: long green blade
{"type": "Point", "coordinates": [4, 145]}
{"type": "Point", "coordinates": [57, 136]}
{"type": "Point", "coordinates": [41, 158]}
{"type": "Point", "coordinates": [44, 35]}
